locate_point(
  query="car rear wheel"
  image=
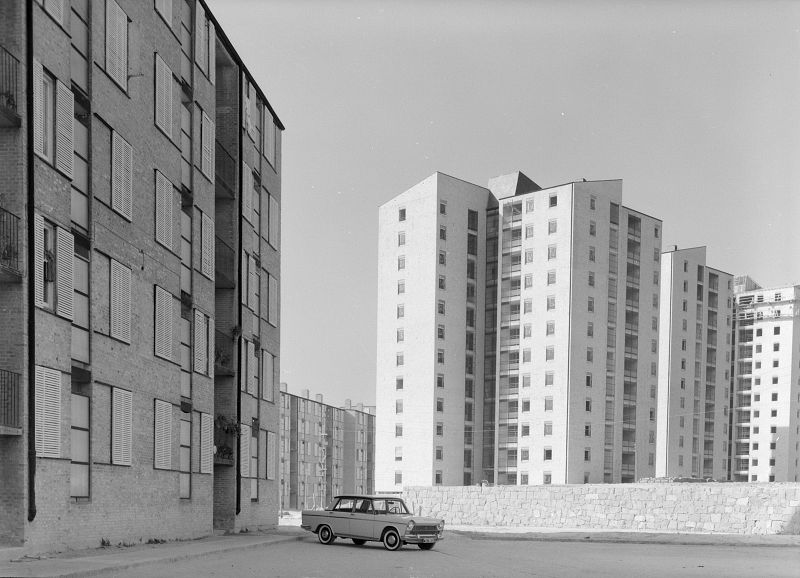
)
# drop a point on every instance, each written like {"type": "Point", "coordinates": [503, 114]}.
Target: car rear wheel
{"type": "Point", "coordinates": [359, 541]}
{"type": "Point", "coordinates": [325, 535]}
{"type": "Point", "coordinates": [428, 546]}
{"type": "Point", "coordinates": [391, 539]}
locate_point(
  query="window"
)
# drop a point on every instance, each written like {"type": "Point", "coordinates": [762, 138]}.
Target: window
{"type": "Point", "coordinates": [117, 44]}
{"type": "Point", "coordinates": [587, 455]}
{"type": "Point", "coordinates": [400, 335]}
{"type": "Point", "coordinates": [79, 446]}
{"type": "Point", "coordinates": [439, 380]}
{"type": "Point", "coordinates": [592, 228]}
{"type": "Point", "coordinates": [528, 231]}
{"type": "Point", "coordinates": [439, 453]}
{"type": "Point", "coordinates": [439, 428]}
{"type": "Point", "coordinates": [440, 307]}
{"type": "Point", "coordinates": [399, 359]}
{"type": "Point", "coordinates": [401, 238]}
{"type": "Point", "coordinates": [398, 453]}
{"type": "Point", "coordinates": [440, 356]}
{"type": "Point", "coordinates": [401, 262]}
{"type": "Point", "coordinates": [438, 478]}
{"type": "Point", "coordinates": [398, 406]}
{"type": "Point", "coordinates": [440, 331]}
{"type": "Point", "coordinates": [590, 305]}
{"type": "Point", "coordinates": [398, 477]}
{"type": "Point", "coordinates": [551, 302]}
{"type": "Point", "coordinates": [776, 347]}
{"type": "Point", "coordinates": [442, 258]}
{"type": "Point", "coordinates": [164, 319]}
{"type": "Point", "coordinates": [548, 404]}
{"type": "Point", "coordinates": [440, 404]}
{"type": "Point", "coordinates": [442, 283]}
{"type": "Point", "coordinates": [591, 279]}
{"type": "Point", "coordinates": [401, 287]}
{"type": "Point", "coordinates": [553, 201]}
{"type": "Point", "coordinates": [472, 220]}
{"type": "Point", "coordinates": [398, 430]}
{"type": "Point", "coordinates": [401, 214]}
{"type": "Point", "coordinates": [776, 330]}
{"type": "Point", "coordinates": [549, 353]}
{"type": "Point", "coordinates": [121, 426]}
{"type": "Point", "coordinates": [162, 456]}
{"type": "Point", "coordinates": [548, 454]}
{"type": "Point", "coordinates": [550, 328]}
{"type": "Point", "coordinates": [589, 354]}
{"type": "Point", "coordinates": [552, 226]}
{"type": "Point", "coordinates": [591, 254]}
{"type": "Point", "coordinates": [443, 233]}
{"type": "Point", "coordinates": [398, 383]}
{"type": "Point", "coordinates": [121, 175]}
{"type": "Point", "coordinates": [163, 96]}
{"type": "Point", "coordinates": [549, 377]}
{"type": "Point", "coordinates": [185, 456]}
{"type": "Point", "coordinates": [401, 311]}
{"type": "Point", "coordinates": [529, 256]}
{"type": "Point", "coordinates": [529, 205]}
{"type": "Point", "coordinates": [590, 329]}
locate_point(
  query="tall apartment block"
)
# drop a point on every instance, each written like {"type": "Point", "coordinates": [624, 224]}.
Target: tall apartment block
{"type": "Point", "coordinates": [765, 422]}
{"type": "Point", "coordinates": [325, 450]}
{"type": "Point", "coordinates": [557, 290]}
{"type": "Point", "coordinates": [122, 297]}
{"type": "Point", "coordinates": [695, 347]}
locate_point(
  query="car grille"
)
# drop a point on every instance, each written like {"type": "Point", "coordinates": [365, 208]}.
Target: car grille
{"type": "Point", "coordinates": [424, 530]}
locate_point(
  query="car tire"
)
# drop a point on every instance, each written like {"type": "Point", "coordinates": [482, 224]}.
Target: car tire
{"type": "Point", "coordinates": [391, 540]}
{"type": "Point", "coordinates": [325, 534]}
{"type": "Point", "coordinates": [427, 546]}
{"type": "Point", "coordinates": [359, 541]}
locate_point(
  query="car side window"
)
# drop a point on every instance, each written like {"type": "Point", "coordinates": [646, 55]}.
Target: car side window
{"type": "Point", "coordinates": [364, 506]}
{"type": "Point", "coordinates": [344, 505]}
{"type": "Point", "coordinates": [379, 506]}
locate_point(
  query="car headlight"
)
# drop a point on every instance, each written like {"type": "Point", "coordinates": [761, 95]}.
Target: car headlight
{"type": "Point", "coordinates": [440, 526]}
{"type": "Point", "coordinates": [410, 526]}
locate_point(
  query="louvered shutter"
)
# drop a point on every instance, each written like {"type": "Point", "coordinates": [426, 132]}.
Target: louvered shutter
{"type": "Point", "coordinates": [253, 287]}
{"type": "Point", "coordinates": [211, 350]}
{"type": "Point", "coordinates": [244, 451]}
{"type": "Point", "coordinates": [48, 412]}
{"type": "Point", "coordinates": [163, 96]}
{"type": "Point", "coordinates": [117, 43]}
{"type": "Point", "coordinates": [271, 455]}
{"type": "Point", "coordinates": [121, 426]}
{"type": "Point", "coordinates": [268, 383]}
{"type": "Point", "coordinates": [245, 105]}
{"type": "Point", "coordinates": [38, 259]}
{"type": "Point", "coordinates": [200, 342]}
{"type": "Point", "coordinates": [269, 136]}
{"type": "Point", "coordinates": [206, 444]}
{"type": "Point", "coordinates": [247, 192]}
{"type": "Point", "coordinates": [163, 323]}
{"type": "Point", "coordinates": [162, 446]}
{"type": "Point", "coordinates": [164, 219]}
{"type": "Point", "coordinates": [252, 386]}
{"type": "Point", "coordinates": [65, 118]}
{"type": "Point", "coordinates": [207, 245]}
{"type": "Point", "coordinates": [212, 52]}
{"type": "Point", "coordinates": [121, 175]}
{"type": "Point", "coordinates": [243, 278]}
{"type": "Point", "coordinates": [251, 112]}
{"type": "Point", "coordinates": [65, 259]}
{"type": "Point", "coordinates": [120, 301]}
{"type": "Point", "coordinates": [207, 142]}
{"type": "Point", "coordinates": [165, 8]}
{"type": "Point", "coordinates": [38, 108]}
{"type": "Point", "coordinates": [243, 364]}
{"type": "Point", "coordinates": [274, 222]}
{"type": "Point", "coordinates": [201, 38]}
{"type": "Point", "coordinates": [273, 301]}
{"type": "Point", "coordinates": [56, 9]}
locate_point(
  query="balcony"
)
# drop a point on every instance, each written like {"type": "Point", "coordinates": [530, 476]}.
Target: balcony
{"type": "Point", "coordinates": [10, 404]}
{"type": "Point", "coordinates": [224, 362]}
{"type": "Point", "coordinates": [9, 247]}
{"type": "Point", "coordinates": [224, 172]}
{"type": "Point", "coordinates": [224, 264]}
{"type": "Point", "coordinates": [9, 90]}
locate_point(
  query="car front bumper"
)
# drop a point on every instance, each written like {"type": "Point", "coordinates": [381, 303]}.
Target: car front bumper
{"type": "Point", "coordinates": [421, 538]}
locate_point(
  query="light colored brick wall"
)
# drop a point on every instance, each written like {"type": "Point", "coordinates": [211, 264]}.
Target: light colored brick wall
{"type": "Point", "coordinates": [719, 508]}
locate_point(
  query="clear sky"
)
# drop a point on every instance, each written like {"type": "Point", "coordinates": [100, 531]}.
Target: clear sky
{"type": "Point", "coordinates": [694, 104]}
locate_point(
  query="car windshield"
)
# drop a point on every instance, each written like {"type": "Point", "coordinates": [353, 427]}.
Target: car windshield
{"type": "Point", "coordinates": [389, 506]}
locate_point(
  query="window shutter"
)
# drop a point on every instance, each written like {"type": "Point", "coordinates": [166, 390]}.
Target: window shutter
{"type": "Point", "coordinates": [38, 259]}
{"type": "Point", "coordinates": [65, 118]}
{"type": "Point", "coordinates": [253, 287]}
{"type": "Point", "coordinates": [38, 108]}
{"type": "Point", "coordinates": [207, 261]}
{"type": "Point", "coordinates": [162, 451]}
{"type": "Point", "coordinates": [165, 8]}
{"type": "Point", "coordinates": [274, 222]}
{"type": "Point", "coordinates": [65, 259]}
{"type": "Point", "coordinates": [252, 386]}
{"type": "Point", "coordinates": [273, 301]}
{"type": "Point", "coordinates": [212, 52]}
{"type": "Point", "coordinates": [200, 342]}
{"type": "Point", "coordinates": [121, 175]}
{"type": "Point", "coordinates": [48, 412]}
{"type": "Point", "coordinates": [245, 105]}
{"type": "Point", "coordinates": [163, 323]}
{"type": "Point", "coordinates": [243, 364]}
{"type": "Point", "coordinates": [271, 455]}
{"type": "Point", "coordinates": [164, 220]}
{"type": "Point", "coordinates": [201, 41]}
{"type": "Point", "coordinates": [247, 192]}
{"type": "Point", "coordinates": [117, 43]}
{"type": "Point", "coordinates": [120, 301]}
{"type": "Point", "coordinates": [243, 278]}
{"type": "Point", "coordinates": [121, 426]}
{"type": "Point", "coordinates": [268, 387]}
{"type": "Point", "coordinates": [251, 110]}
{"type": "Point", "coordinates": [56, 9]}
{"type": "Point", "coordinates": [206, 444]}
{"type": "Point", "coordinates": [163, 96]}
{"type": "Point", "coordinates": [244, 451]}
{"type": "Point", "coordinates": [211, 350]}
{"type": "Point", "coordinates": [269, 136]}
{"type": "Point", "coordinates": [207, 142]}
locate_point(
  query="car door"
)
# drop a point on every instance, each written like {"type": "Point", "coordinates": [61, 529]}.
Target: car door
{"type": "Point", "coordinates": [362, 519]}
{"type": "Point", "coordinates": [339, 517]}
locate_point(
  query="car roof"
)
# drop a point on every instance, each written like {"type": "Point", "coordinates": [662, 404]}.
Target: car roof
{"type": "Point", "coordinates": [368, 496]}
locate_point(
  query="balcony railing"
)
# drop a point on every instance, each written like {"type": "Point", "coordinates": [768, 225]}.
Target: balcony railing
{"type": "Point", "coordinates": [10, 403]}
{"type": "Point", "coordinates": [9, 244]}
{"type": "Point", "coordinates": [224, 172]}
{"type": "Point", "coordinates": [224, 362]}
{"type": "Point", "coordinates": [9, 89]}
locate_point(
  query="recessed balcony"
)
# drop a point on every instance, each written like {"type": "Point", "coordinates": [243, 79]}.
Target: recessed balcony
{"type": "Point", "coordinates": [9, 90]}
{"type": "Point", "coordinates": [10, 403]}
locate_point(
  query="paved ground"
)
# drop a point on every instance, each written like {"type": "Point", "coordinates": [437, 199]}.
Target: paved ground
{"type": "Point", "coordinates": [291, 551]}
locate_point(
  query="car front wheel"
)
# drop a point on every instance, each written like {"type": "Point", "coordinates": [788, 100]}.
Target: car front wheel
{"type": "Point", "coordinates": [391, 539]}
{"type": "Point", "coordinates": [325, 535]}
{"type": "Point", "coordinates": [427, 546]}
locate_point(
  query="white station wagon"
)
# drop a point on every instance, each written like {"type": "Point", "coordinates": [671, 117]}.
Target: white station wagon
{"type": "Point", "coordinates": [372, 518]}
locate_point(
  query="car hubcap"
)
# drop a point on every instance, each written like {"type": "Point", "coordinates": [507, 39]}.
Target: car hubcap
{"type": "Point", "coordinates": [391, 539]}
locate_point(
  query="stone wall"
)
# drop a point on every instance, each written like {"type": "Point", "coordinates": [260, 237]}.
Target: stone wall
{"type": "Point", "coordinates": [735, 508]}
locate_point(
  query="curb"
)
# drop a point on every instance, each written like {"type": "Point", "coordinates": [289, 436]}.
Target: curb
{"type": "Point", "coordinates": [176, 557]}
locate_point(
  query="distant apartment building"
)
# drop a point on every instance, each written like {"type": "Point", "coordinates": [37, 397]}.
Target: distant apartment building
{"type": "Point", "coordinates": [695, 347]}
{"type": "Point", "coordinates": [517, 334]}
{"type": "Point", "coordinates": [765, 422]}
{"type": "Point", "coordinates": [136, 152]}
{"type": "Point", "coordinates": [325, 450]}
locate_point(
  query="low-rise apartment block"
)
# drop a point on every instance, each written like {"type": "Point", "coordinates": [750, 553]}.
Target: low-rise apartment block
{"type": "Point", "coordinates": [325, 450]}
{"type": "Point", "coordinates": [140, 195]}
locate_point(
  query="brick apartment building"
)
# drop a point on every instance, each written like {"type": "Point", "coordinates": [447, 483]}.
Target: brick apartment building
{"type": "Point", "coordinates": [325, 450]}
{"type": "Point", "coordinates": [139, 233]}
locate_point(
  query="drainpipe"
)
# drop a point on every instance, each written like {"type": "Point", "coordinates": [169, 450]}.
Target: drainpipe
{"type": "Point", "coordinates": [239, 307]}
{"type": "Point", "coordinates": [31, 265]}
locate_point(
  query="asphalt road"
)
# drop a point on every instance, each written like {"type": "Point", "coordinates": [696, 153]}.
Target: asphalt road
{"type": "Point", "coordinates": [462, 556]}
